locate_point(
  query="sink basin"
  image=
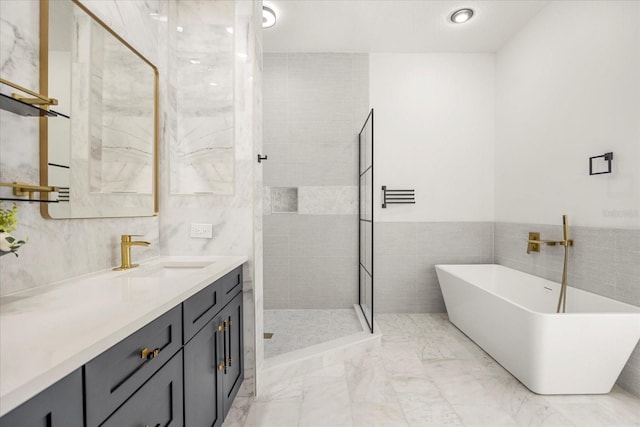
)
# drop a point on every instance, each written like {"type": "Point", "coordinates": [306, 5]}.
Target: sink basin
{"type": "Point", "coordinates": [169, 269]}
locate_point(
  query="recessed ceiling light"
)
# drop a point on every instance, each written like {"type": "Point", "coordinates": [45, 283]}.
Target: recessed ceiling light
{"type": "Point", "coordinates": [213, 84]}
{"type": "Point", "coordinates": [194, 61]}
{"type": "Point", "coordinates": [461, 15]}
{"type": "Point", "coordinates": [179, 29]}
{"type": "Point", "coordinates": [268, 17]}
{"type": "Point", "coordinates": [243, 55]}
{"type": "Point", "coordinates": [230, 30]}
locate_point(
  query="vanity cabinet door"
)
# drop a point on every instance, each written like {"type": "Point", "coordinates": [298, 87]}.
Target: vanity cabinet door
{"type": "Point", "coordinates": [233, 373]}
{"type": "Point", "coordinates": [117, 373]}
{"type": "Point", "coordinates": [58, 406]}
{"type": "Point", "coordinates": [203, 306]}
{"type": "Point", "coordinates": [159, 402]}
{"type": "Point", "coordinates": [202, 379]}
{"type": "Point", "coordinates": [200, 309]}
{"type": "Point", "coordinates": [232, 284]}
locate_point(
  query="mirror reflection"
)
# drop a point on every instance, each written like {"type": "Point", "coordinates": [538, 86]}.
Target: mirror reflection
{"type": "Point", "coordinates": [202, 157]}
{"type": "Point", "coordinates": [104, 156]}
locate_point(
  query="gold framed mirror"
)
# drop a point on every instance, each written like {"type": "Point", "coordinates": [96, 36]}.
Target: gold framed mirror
{"type": "Point", "coordinates": [103, 152]}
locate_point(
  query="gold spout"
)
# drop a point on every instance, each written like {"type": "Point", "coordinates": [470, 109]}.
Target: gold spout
{"type": "Point", "coordinates": [125, 250]}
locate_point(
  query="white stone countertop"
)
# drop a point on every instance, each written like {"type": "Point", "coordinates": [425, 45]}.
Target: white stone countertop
{"type": "Point", "coordinates": [48, 332]}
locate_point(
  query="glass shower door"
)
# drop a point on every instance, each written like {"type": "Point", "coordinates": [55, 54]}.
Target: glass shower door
{"type": "Point", "coordinates": [365, 219]}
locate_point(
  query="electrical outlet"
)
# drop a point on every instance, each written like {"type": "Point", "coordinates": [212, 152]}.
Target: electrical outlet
{"type": "Point", "coordinates": [202, 231]}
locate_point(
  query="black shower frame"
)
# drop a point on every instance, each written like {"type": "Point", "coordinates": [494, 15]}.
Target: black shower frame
{"type": "Point", "coordinates": [360, 220]}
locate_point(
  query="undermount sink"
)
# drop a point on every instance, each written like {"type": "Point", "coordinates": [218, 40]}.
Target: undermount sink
{"type": "Point", "coordinates": [168, 269]}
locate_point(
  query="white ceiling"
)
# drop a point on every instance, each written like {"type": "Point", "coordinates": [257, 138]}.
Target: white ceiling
{"type": "Point", "coordinates": [394, 25]}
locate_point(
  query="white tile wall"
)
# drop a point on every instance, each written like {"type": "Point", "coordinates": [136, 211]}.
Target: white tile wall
{"type": "Point", "coordinates": [314, 107]}
{"type": "Point", "coordinates": [405, 256]}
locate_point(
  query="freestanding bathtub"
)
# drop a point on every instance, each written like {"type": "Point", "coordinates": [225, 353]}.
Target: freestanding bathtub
{"type": "Point", "coordinates": [511, 315]}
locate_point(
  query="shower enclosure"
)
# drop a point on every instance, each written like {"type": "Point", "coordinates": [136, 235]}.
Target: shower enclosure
{"type": "Point", "coordinates": [314, 108]}
{"type": "Point", "coordinates": [365, 220]}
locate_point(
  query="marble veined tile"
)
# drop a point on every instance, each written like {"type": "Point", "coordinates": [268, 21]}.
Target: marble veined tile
{"type": "Point", "coordinates": [449, 388]}
{"type": "Point", "coordinates": [284, 200]}
{"type": "Point", "coordinates": [326, 402]}
{"type": "Point", "coordinates": [328, 200]}
{"type": "Point", "coordinates": [274, 414]}
{"type": "Point", "coordinates": [422, 410]}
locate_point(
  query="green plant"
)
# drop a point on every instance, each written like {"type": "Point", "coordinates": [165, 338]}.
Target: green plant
{"type": "Point", "coordinates": [9, 219]}
{"type": "Point", "coordinates": [9, 223]}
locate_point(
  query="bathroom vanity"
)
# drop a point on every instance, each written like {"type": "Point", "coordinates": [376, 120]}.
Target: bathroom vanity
{"type": "Point", "coordinates": [158, 345]}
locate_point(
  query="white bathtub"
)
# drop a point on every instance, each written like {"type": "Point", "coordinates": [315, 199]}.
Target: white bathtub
{"type": "Point", "coordinates": [511, 315]}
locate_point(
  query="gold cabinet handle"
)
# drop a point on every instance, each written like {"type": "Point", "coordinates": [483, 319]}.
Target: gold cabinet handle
{"type": "Point", "coordinates": [221, 367]}
{"type": "Point", "coordinates": [229, 362]}
{"type": "Point", "coordinates": [149, 354]}
{"type": "Point", "coordinates": [221, 328]}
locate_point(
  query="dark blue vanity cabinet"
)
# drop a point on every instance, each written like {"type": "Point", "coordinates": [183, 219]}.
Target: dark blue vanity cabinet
{"type": "Point", "coordinates": [58, 406]}
{"type": "Point", "coordinates": [213, 362]}
{"type": "Point", "coordinates": [157, 403]}
{"type": "Point", "coordinates": [181, 370]}
{"type": "Point", "coordinates": [115, 375]}
{"type": "Point", "coordinates": [203, 382]}
{"type": "Point", "coordinates": [233, 372]}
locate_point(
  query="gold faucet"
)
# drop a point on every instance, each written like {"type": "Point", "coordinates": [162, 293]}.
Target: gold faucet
{"type": "Point", "coordinates": [533, 245]}
{"type": "Point", "coordinates": [125, 250]}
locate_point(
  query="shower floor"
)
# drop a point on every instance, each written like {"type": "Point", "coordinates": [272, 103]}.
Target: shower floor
{"type": "Point", "coordinates": [297, 329]}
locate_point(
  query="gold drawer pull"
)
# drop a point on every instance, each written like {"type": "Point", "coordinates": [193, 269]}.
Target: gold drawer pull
{"type": "Point", "coordinates": [149, 354]}
{"type": "Point", "coordinates": [221, 328]}
{"type": "Point", "coordinates": [229, 362]}
{"type": "Point", "coordinates": [221, 367]}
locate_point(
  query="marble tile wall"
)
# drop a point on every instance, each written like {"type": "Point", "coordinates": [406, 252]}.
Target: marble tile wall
{"type": "Point", "coordinates": [314, 107]}
{"type": "Point", "coordinates": [59, 249]}
{"type": "Point", "coordinates": [236, 228]}
{"type": "Point", "coordinates": [405, 256]}
{"type": "Point", "coordinates": [604, 261]}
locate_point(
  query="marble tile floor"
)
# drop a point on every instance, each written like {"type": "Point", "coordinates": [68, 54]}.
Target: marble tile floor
{"type": "Point", "coordinates": [427, 373]}
{"type": "Point", "coordinates": [296, 329]}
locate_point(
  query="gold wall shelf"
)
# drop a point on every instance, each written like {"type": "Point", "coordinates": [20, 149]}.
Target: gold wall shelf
{"type": "Point", "coordinates": [21, 189]}
{"type": "Point", "coordinates": [37, 106]}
